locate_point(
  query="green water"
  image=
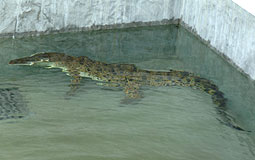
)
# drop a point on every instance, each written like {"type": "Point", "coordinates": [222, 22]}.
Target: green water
{"type": "Point", "coordinates": [168, 123]}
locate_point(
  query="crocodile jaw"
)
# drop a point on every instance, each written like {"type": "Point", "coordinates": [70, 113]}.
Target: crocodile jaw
{"type": "Point", "coordinates": [21, 61]}
{"type": "Point", "coordinates": [22, 64]}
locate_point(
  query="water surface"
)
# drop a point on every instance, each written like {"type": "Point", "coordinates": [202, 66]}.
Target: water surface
{"type": "Point", "coordinates": [168, 123]}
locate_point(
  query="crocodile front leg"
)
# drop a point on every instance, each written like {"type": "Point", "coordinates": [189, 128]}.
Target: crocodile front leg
{"type": "Point", "coordinates": [75, 82]}
{"type": "Point", "coordinates": [133, 92]}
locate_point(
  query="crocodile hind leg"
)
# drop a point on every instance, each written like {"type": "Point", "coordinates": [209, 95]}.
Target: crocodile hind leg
{"type": "Point", "coordinates": [132, 92]}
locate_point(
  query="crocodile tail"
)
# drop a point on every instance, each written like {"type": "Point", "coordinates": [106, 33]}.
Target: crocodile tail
{"type": "Point", "coordinates": [210, 88]}
{"type": "Point", "coordinates": [219, 100]}
{"type": "Point", "coordinates": [188, 79]}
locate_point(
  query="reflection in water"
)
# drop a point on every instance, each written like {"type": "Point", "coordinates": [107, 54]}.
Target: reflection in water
{"type": "Point", "coordinates": [168, 123]}
{"type": "Point", "coordinates": [12, 105]}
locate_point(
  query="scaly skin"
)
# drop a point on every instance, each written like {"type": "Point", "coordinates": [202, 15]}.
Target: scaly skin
{"type": "Point", "coordinates": [127, 76]}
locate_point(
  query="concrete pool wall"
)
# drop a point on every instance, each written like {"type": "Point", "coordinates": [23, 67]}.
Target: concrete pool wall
{"type": "Point", "coordinates": [223, 24]}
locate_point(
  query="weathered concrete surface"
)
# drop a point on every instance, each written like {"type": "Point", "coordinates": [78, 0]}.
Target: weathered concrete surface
{"type": "Point", "coordinates": [229, 28]}
{"type": "Point", "coordinates": [42, 15]}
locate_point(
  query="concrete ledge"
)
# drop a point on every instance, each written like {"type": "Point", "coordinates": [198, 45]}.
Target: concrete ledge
{"type": "Point", "coordinates": [223, 24]}
{"type": "Point", "coordinates": [92, 28]}
{"type": "Point", "coordinates": [20, 16]}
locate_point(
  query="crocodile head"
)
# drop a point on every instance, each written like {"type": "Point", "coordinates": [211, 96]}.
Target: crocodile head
{"type": "Point", "coordinates": [41, 59]}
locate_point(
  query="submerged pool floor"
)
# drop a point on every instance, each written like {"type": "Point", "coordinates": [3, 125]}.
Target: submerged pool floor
{"type": "Point", "coordinates": [168, 123]}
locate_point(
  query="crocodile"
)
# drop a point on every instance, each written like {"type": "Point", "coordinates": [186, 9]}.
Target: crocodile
{"type": "Point", "coordinates": [127, 76]}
